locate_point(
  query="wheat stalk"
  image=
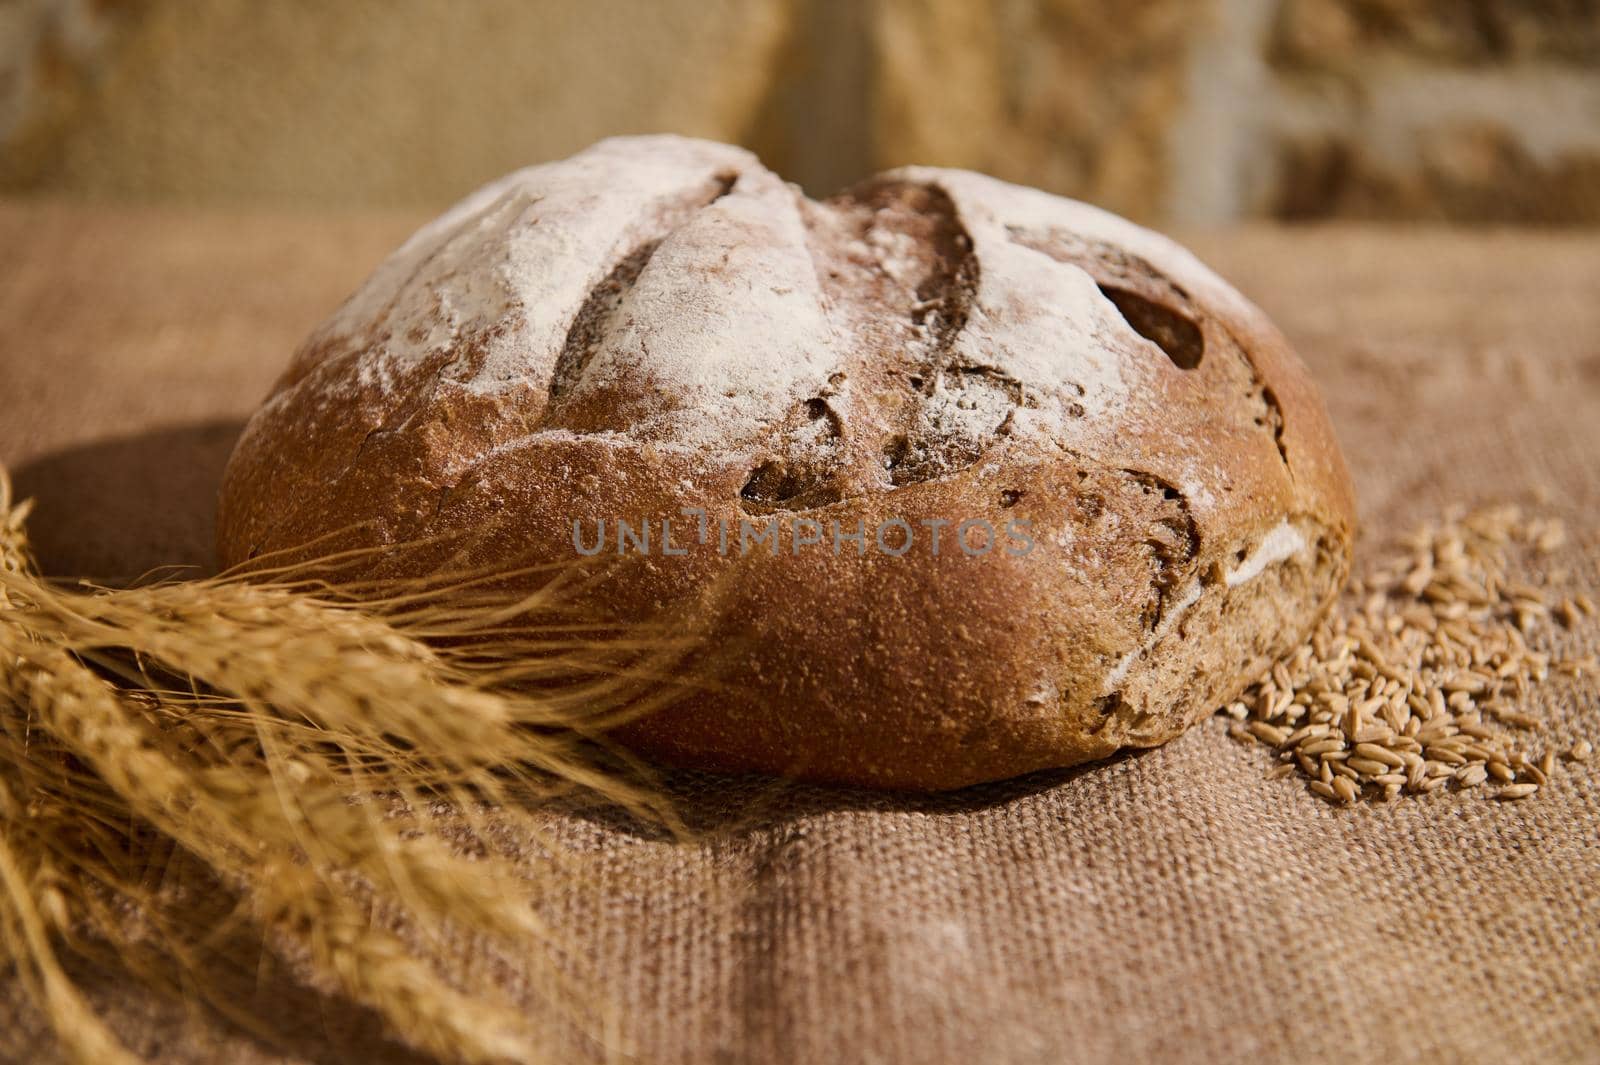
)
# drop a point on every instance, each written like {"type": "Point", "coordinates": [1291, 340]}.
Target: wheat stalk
{"type": "Point", "coordinates": [269, 724]}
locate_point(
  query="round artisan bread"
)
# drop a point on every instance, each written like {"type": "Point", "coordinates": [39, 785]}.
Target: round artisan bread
{"type": "Point", "coordinates": [962, 479]}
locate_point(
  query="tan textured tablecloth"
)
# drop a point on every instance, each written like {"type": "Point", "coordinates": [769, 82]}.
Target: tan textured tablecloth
{"type": "Point", "coordinates": [1168, 906]}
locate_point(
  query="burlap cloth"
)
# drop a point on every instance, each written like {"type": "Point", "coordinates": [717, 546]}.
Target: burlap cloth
{"type": "Point", "coordinates": [1170, 905]}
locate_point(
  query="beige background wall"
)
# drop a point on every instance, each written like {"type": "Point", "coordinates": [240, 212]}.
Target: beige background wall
{"type": "Point", "coordinates": [1184, 110]}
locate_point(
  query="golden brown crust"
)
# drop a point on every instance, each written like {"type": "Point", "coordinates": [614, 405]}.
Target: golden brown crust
{"type": "Point", "coordinates": [931, 346]}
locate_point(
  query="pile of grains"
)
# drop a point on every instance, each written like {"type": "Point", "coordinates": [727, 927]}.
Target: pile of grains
{"type": "Point", "coordinates": [1415, 681]}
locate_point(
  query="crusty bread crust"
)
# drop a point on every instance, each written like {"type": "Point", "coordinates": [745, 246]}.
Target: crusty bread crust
{"type": "Point", "coordinates": [659, 327]}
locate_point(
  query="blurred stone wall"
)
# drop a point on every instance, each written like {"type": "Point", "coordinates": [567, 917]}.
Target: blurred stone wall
{"type": "Point", "coordinates": [1185, 110]}
{"type": "Point", "coordinates": [358, 101]}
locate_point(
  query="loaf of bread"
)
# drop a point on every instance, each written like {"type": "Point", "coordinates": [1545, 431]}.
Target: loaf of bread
{"type": "Point", "coordinates": [960, 479]}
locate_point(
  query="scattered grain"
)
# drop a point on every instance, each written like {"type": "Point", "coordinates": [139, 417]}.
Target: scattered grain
{"type": "Point", "coordinates": [1268, 733]}
{"type": "Point", "coordinates": [1428, 658]}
